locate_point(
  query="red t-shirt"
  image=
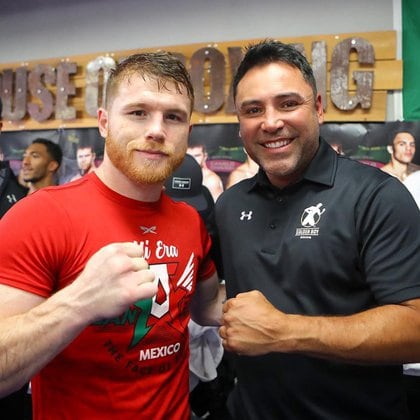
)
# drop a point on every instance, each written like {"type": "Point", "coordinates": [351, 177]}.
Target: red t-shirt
{"type": "Point", "coordinates": [132, 366]}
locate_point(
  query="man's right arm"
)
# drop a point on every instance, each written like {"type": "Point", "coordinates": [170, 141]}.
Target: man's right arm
{"type": "Point", "coordinates": [33, 330]}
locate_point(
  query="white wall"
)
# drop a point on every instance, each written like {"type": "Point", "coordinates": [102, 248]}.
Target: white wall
{"type": "Point", "coordinates": [39, 29]}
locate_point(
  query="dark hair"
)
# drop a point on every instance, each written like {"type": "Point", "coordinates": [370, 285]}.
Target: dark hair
{"type": "Point", "coordinates": [85, 146]}
{"type": "Point", "coordinates": [406, 127]}
{"type": "Point", "coordinates": [1, 108]}
{"type": "Point", "coordinates": [270, 51]}
{"type": "Point", "coordinates": [162, 66]}
{"type": "Point", "coordinates": [53, 149]}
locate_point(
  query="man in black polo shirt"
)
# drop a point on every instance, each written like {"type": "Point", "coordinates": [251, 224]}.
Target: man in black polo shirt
{"type": "Point", "coordinates": [321, 261]}
{"type": "Point", "coordinates": [10, 189]}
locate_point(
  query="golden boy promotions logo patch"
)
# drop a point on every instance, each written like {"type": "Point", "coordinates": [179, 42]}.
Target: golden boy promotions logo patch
{"type": "Point", "coordinates": [309, 220]}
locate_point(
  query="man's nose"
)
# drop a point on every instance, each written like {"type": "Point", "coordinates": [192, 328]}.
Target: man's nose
{"type": "Point", "coordinates": [273, 120]}
{"type": "Point", "coordinates": [155, 127]}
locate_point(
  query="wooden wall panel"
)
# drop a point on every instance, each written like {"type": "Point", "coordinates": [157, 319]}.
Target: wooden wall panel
{"type": "Point", "coordinates": [387, 77]}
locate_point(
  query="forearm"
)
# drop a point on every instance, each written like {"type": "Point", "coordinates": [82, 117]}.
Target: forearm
{"type": "Point", "coordinates": [206, 307]}
{"type": "Point", "coordinates": [30, 340]}
{"type": "Point", "coordinates": [387, 334]}
{"type": "Point", "coordinates": [34, 333]}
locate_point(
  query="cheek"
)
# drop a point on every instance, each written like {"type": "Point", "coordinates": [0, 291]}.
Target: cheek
{"type": "Point", "coordinates": [248, 129]}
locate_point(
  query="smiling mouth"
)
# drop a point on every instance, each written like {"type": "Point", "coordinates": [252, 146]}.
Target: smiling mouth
{"type": "Point", "coordinates": [276, 144]}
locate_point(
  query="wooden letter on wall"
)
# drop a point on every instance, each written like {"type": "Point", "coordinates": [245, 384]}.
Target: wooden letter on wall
{"type": "Point", "coordinates": [319, 67]}
{"type": "Point", "coordinates": [211, 102]}
{"type": "Point", "coordinates": [64, 90]}
{"type": "Point", "coordinates": [94, 69]}
{"type": "Point", "coordinates": [19, 94]}
{"type": "Point", "coordinates": [37, 88]}
{"type": "Point", "coordinates": [235, 57]}
{"type": "Point", "coordinates": [339, 74]}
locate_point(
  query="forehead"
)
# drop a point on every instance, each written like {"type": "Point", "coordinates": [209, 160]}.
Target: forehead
{"type": "Point", "coordinates": [271, 79]}
{"type": "Point", "coordinates": [37, 148]}
{"type": "Point", "coordinates": [137, 89]}
{"type": "Point", "coordinates": [405, 137]}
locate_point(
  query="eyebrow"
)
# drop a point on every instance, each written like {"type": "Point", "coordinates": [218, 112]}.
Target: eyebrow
{"type": "Point", "coordinates": [280, 96]}
{"type": "Point", "coordinates": [134, 105]}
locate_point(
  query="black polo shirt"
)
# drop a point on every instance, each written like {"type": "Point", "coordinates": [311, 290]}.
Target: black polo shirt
{"type": "Point", "coordinates": [344, 239]}
{"type": "Point", "coordinates": [10, 189]}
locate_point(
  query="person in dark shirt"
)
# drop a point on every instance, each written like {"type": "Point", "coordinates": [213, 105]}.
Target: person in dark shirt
{"type": "Point", "coordinates": [320, 258]}
{"type": "Point", "coordinates": [16, 406]}
{"type": "Point", "coordinates": [10, 189]}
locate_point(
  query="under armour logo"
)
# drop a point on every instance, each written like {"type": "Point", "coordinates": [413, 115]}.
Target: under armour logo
{"type": "Point", "coordinates": [11, 198]}
{"type": "Point", "coordinates": [245, 215]}
{"type": "Point", "coordinates": [151, 229]}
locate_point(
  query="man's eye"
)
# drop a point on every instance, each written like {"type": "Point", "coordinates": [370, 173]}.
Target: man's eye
{"type": "Point", "coordinates": [289, 105]}
{"type": "Point", "coordinates": [252, 110]}
{"type": "Point", "coordinates": [173, 117]}
{"type": "Point", "coordinates": [138, 113]}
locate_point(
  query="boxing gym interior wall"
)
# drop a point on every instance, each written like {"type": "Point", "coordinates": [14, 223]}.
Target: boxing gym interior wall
{"type": "Point", "coordinates": [36, 30]}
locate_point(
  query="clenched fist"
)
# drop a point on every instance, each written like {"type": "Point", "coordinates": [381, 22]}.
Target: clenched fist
{"type": "Point", "coordinates": [251, 325]}
{"type": "Point", "coordinates": [114, 278]}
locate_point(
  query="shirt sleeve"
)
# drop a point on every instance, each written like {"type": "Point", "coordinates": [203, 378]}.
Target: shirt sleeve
{"type": "Point", "coordinates": [32, 244]}
{"type": "Point", "coordinates": [389, 239]}
{"type": "Point", "coordinates": [207, 267]}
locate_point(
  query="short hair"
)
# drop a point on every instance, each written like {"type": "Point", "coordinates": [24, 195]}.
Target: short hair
{"type": "Point", "coordinates": [53, 149]}
{"type": "Point", "coordinates": [197, 143]}
{"type": "Point", "coordinates": [86, 146]}
{"type": "Point", "coordinates": [162, 66]}
{"type": "Point", "coordinates": [270, 51]}
{"type": "Point", "coordinates": [406, 127]}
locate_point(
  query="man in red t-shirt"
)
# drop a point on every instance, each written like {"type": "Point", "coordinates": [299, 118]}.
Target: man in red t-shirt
{"type": "Point", "coordinates": [95, 299]}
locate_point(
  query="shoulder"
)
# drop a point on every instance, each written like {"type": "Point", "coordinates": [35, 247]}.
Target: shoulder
{"type": "Point", "coordinates": [236, 175]}
{"type": "Point", "coordinates": [235, 192]}
{"type": "Point", "coordinates": [212, 176]}
{"type": "Point", "coordinates": [357, 172]}
{"type": "Point", "coordinates": [178, 209]}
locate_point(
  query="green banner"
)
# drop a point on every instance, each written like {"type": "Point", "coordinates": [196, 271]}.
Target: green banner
{"type": "Point", "coordinates": [411, 59]}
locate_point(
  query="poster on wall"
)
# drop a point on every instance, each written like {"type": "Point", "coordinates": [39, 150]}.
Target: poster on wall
{"type": "Point", "coordinates": [366, 142]}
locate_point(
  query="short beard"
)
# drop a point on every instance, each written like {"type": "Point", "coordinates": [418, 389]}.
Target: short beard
{"type": "Point", "coordinates": [149, 172]}
{"type": "Point", "coordinates": [33, 179]}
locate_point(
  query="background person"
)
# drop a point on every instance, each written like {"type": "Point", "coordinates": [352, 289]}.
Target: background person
{"type": "Point", "coordinates": [85, 156]}
{"type": "Point", "coordinates": [401, 147]}
{"type": "Point", "coordinates": [210, 179]}
{"type": "Point", "coordinates": [106, 280]}
{"type": "Point", "coordinates": [412, 182]}
{"type": "Point", "coordinates": [321, 310]}
{"type": "Point", "coordinates": [246, 170]}
{"type": "Point", "coordinates": [210, 373]}
{"type": "Point", "coordinates": [10, 189]}
{"type": "Point", "coordinates": [16, 406]}
{"type": "Point", "coordinates": [40, 163]}
{"type": "Point", "coordinates": [412, 370]}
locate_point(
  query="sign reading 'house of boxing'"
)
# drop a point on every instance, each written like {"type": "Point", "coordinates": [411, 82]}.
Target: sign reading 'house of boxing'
{"type": "Point", "coordinates": [47, 91]}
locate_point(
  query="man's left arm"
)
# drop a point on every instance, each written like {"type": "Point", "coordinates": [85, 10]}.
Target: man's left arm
{"type": "Point", "coordinates": [386, 334]}
{"type": "Point", "coordinates": [207, 302]}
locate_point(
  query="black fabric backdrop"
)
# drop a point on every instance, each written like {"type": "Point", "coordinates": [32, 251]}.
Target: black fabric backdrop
{"type": "Point", "coordinates": [363, 141]}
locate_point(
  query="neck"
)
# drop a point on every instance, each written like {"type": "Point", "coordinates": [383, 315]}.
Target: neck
{"type": "Point", "coordinates": [399, 169]}
{"type": "Point", "coordinates": [118, 182]}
